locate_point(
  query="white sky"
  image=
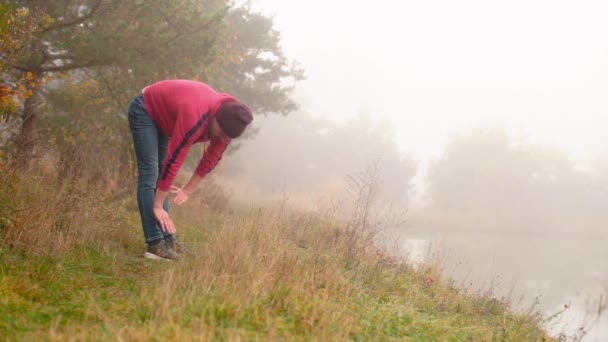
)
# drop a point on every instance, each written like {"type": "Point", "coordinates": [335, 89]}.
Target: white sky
{"type": "Point", "coordinates": [438, 66]}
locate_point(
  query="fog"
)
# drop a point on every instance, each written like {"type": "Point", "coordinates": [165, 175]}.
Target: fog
{"type": "Point", "coordinates": [486, 121]}
{"type": "Point", "coordinates": [500, 213]}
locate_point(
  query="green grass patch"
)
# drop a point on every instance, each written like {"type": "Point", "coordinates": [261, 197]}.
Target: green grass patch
{"type": "Point", "coordinates": [264, 275]}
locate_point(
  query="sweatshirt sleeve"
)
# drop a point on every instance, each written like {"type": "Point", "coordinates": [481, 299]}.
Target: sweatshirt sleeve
{"type": "Point", "coordinates": [185, 133]}
{"type": "Point", "coordinates": [213, 155]}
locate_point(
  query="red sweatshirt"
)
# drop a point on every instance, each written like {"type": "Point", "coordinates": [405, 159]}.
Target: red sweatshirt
{"type": "Point", "coordinates": [183, 110]}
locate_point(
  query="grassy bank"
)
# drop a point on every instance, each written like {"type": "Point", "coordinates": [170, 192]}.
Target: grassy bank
{"type": "Point", "coordinates": [71, 269]}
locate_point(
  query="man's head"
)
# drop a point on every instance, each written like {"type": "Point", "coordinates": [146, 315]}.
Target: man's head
{"type": "Point", "coordinates": [233, 118]}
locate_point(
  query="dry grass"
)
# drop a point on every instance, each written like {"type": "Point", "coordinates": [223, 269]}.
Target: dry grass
{"type": "Point", "coordinates": [45, 218]}
{"type": "Point", "coordinates": [68, 273]}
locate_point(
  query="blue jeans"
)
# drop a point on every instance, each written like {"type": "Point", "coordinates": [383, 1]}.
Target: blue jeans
{"type": "Point", "coordinates": [151, 151]}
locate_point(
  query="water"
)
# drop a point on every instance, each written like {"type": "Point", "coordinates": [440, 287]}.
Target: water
{"type": "Point", "coordinates": [547, 272]}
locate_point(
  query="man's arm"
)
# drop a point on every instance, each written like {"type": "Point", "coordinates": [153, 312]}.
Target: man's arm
{"type": "Point", "coordinates": [212, 156]}
{"type": "Point", "coordinates": [181, 195]}
{"type": "Point", "coordinates": [166, 223]}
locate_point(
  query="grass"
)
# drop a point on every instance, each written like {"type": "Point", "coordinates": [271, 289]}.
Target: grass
{"type": "Point", "coordinates": [258, 274]}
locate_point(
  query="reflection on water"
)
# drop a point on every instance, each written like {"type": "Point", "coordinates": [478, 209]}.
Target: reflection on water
{"type": "Point", "coordinates": [582, 311]}
{"type": "Point", "coordinates": [550, 273]}
{"type": "Point", "coordinates": [416, 250]}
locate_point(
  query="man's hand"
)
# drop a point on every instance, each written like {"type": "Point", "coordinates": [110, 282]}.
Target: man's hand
{"type": "Point", "coordinates": [180, 195]}
{"type": "Point", "coordinates": [166, 223]}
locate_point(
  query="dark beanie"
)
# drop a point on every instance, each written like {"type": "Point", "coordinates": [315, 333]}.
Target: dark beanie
{"type": "Point", "coordinates": [233, 117]}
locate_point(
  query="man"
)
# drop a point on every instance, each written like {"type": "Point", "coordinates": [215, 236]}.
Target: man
{"type": "Point", "coordinates": [166, 119]}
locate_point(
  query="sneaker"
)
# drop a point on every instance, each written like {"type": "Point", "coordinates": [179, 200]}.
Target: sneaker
{"type": "Point", "coordinates": [161, 251]}
{"type": "Point", "coordinates": [177, 246]}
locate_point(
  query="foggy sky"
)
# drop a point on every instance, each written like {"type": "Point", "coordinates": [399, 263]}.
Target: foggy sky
{"type": "Point", "coordinates": [539, 67]}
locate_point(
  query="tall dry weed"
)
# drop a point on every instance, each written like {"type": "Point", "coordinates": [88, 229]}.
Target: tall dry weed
{"type": "Point", "coordinates": [45, 217]}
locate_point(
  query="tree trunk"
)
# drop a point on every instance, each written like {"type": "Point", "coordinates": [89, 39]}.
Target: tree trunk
{"type": "Point", "coordinates": [26, 140]}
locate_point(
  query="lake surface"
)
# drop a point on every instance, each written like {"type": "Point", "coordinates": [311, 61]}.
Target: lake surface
{"type": "Point", "coordinates": [547, 272]}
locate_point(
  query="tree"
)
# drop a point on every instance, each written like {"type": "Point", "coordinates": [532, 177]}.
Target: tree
{"type": "Point", "coordinates": [261, 76]}
{"type": "Point", "coordinates": [309, 153]}
{"type": "Point", "coordinates": [500, 183]}
{"type": "Point", "coordinates": [126, 44]}
{"type": "Point", "coordinates": [17, 27]}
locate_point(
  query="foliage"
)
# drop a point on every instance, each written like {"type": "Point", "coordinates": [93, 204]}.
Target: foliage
{"type": "Point", "coordinates": [140, 42]}
{"type": "Point", "coordinates": [90, 141]}
{"type": "Point", "coordinates": [121, 46]}
{"type": "Point", "coordinates": [253, 62]}
{"type": "Point", "coordinates": [18, 26]}
{"type": "Point", "coordinates": [506, 184]}
{"type": "Point", "coordinates": [314, 151]}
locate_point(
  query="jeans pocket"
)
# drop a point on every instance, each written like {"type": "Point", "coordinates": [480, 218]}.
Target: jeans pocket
{"type": "Point", "coordinates": [137, 111]}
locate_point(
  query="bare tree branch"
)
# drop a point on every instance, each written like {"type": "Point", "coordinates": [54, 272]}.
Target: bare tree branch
{"type": "Point", "coordinates": [75, 21]}
{"type": "Point", "coordinates": [87, 64]}
{"type": "Point", "coordinates": [64, 56]}
{"type": "Point", "coordinates": [21, 67]}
